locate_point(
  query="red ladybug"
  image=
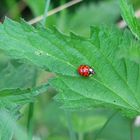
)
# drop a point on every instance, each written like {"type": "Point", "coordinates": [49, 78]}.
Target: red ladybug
{"type": "Point", "coordinates": [85, 70]}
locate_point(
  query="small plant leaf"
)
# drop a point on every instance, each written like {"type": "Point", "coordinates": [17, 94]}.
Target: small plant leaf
{"type": "Point", "coordinates": [14, 97]}
{"type": "Point", "coordinates": [132, 51]}
{"type": "Point", "coordinates": [9, 127]}
{"type": "Point", "coordinates": [130, 18]}
{"type": "Point", "coordinates": [116, 83]}
{"type": "Point", "coordinates": [14, 74]}
{"type": "Point", "coordinates": [10, 103]}
{"type": "Point", "coordinates": [83, 18]}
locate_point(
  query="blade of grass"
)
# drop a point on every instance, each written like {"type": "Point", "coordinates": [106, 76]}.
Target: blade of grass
{"type": "Point", "coordinates": [46, 12]}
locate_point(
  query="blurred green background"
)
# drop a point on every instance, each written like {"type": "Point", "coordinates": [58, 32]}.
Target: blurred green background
{"type": "Point", "coordinates": [50, 122]}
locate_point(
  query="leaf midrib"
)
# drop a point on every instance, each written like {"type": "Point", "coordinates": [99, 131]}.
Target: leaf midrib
{"type": "Point", "coordinates": [132, 108]}
{"type": "Point", "coordinates": [47, 54]}
{"type": "Point", "coordinates": [115, 72]}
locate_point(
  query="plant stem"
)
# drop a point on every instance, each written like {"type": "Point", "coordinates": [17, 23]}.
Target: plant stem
{"type": "Point", "coordinates": [131, 130]}
{"type": "Point", "coordinates": [62, 18]}
{"type": "Point", "coordinates": [46, 12]}
{"type": "Point", "coordinates": [30, 120]}
{"type": "Point", "coordinates": [80, 136]}
{"type": "Point", "coordinates": [70, 127]}
{"type": "Point", "coordinates": [104, 126]}
{"type": "Point", "coordinates": [31, 111]}
{"type": "Point", "coordinates": [55, 10]}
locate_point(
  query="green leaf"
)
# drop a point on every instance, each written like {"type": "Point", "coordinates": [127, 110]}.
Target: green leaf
{"type": "Point", "coordinates": [10, 102]}
{"type": "Point", "coordinates": [37, 6]}
{"type": "Point", "coordinates": [25, 37]}
{"type": "Point", "coordinates": [116, 83]}
{"type": "Point", "coordinates": [14, 97]}
{"type": "Point", "coordinates": [135, 3]}
{"type": "Point", "coordinates": [15, 74]}
{"type": "Point", "coordinates": [9, 127]}
{"type": "Point", "coordinates": [129, 16]}
{"type": "Point", "coordinates": [93, 14]}
{"type": "Point", "coordinates": [13, 9]}
{"type": "Point", "coordinates": [132, 51]}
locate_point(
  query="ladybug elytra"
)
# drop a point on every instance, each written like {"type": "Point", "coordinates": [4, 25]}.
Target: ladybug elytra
{"type": "Point", "coordinates": [85, 70]}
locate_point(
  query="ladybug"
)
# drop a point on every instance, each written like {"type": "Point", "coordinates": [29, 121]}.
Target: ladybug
{"type": "Point", "coordinates": [85, 70]}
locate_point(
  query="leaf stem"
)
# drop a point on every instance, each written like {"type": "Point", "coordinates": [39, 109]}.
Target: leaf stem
{"type": "Point", "coordinates": [80, 136]}
{"type": "Point", "coordinates": [62, 20]}
{"type": "Point", "coordinates": [54, 11]}
{"type": "Point", "coordinates": [46, 12]}
{"type": "Point", "coordinates": [131, 130]}
{"type": "Point", "coordinates": [104, 126]}
{"type": "Point", "coordinates": [70, 127]}
{"type": "Point", "coordinates": [31, 112]}
{"type": "Point", "coordinates": [30, 121]}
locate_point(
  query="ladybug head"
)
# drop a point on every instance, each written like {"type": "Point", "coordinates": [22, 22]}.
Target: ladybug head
{"type": "Point", "coordinates": [91, 71]}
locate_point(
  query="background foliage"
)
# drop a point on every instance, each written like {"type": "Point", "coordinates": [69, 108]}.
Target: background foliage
{"type": "Point", "coordinates": [30, 74]}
